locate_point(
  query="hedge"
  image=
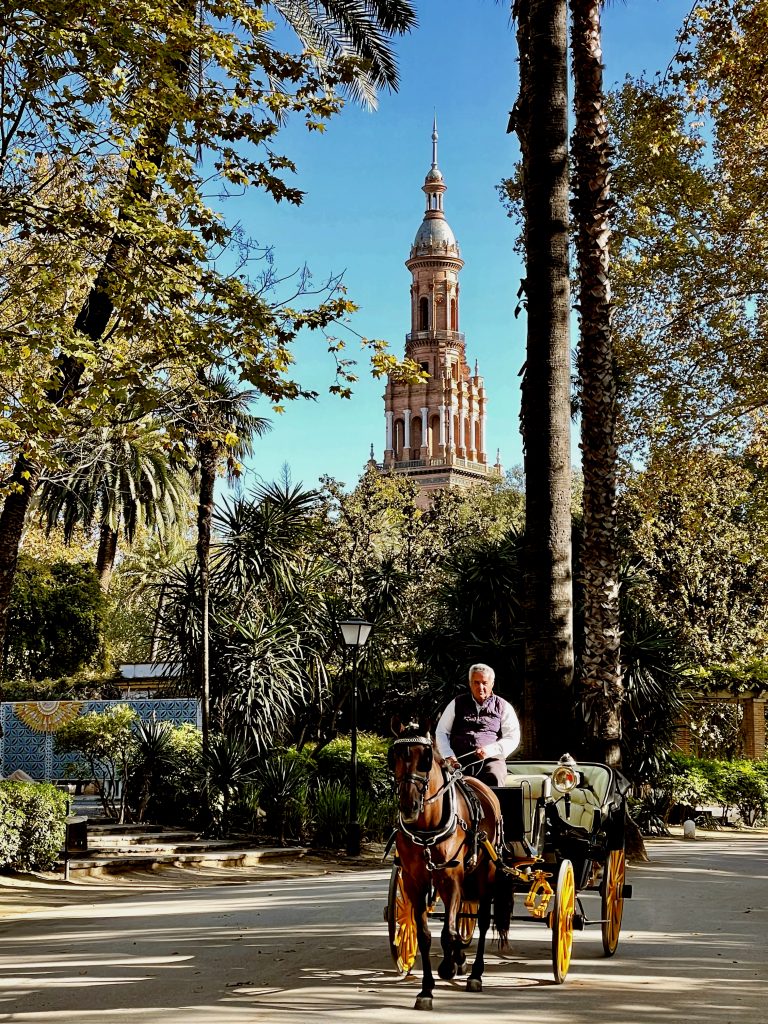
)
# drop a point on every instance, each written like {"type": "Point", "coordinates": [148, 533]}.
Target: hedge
{"type": "Point", "coordinates": [32, 825]}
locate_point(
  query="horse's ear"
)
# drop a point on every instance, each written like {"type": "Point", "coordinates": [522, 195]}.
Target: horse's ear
{"type": "Point", "coordinates": [396, 725]}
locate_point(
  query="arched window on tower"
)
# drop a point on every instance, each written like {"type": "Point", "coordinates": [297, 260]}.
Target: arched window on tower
{"type": "Point", "coordinates": [454, 316]}
{"type": "Point", "coordinates": [424, 314]}
{"type": "Point", "coordinates": [398, 439]}
{"type": "Point", "coordinates": [434, 435]}
{"type": "Point", "coordinates": [416, 441]}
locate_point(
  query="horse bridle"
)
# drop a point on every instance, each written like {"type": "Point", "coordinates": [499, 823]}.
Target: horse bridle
{"type": "Point", "coordinates": [417, 778]}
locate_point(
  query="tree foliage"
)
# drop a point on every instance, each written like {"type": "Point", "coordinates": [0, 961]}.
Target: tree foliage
{"type": "Point", "coordinates": [691, 243]}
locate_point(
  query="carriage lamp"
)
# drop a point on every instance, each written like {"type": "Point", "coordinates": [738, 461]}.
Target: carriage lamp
{"type": "Point", "coordinates": [355, 633]}
{"type": "Point", "coordinates": [566, 776]}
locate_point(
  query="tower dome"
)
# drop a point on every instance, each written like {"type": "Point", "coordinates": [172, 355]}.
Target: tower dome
{"type": "Point", "coordinates": [434, 235]}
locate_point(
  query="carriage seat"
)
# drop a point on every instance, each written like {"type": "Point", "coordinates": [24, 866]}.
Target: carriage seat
{"type": "Point", "coordinates": [585, 807]}
{"type": "Point", "coordinates": [522, 800]}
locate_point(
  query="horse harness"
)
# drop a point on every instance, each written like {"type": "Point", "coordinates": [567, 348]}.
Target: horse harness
{"type": "Point", "coordinates": [450, 821]}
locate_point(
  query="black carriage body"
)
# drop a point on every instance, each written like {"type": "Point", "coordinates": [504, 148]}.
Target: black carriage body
{"type": "Point", "coordinates": [582, 826]}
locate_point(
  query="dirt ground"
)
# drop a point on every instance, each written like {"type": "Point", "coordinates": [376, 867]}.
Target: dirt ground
{"type": "Point", "coordinates": [24, 894]}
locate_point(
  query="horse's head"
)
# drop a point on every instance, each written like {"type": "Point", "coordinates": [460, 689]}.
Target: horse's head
{"type": "Point", "coordinates": [411, 757]}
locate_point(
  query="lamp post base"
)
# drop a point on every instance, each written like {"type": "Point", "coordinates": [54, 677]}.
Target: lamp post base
{"type": "Point", "coordinates": [354, 835]}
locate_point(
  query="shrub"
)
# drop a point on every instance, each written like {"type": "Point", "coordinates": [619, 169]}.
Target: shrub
{"type": "Point", "coordinates": [281, 781]}
{"type": "Point", "coordinates": [32, 825]}
{"type": "Point", "coordinates": [373, 775]}
{"type": "Point", "coordinates": [745, 787]}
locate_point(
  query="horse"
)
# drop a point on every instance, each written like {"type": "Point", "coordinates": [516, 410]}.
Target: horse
{"type": "Point", "coordinates": [446, 830]}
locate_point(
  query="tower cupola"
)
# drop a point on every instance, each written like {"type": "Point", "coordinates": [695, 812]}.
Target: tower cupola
{"type": "Point", "coordinates": [434, 235]}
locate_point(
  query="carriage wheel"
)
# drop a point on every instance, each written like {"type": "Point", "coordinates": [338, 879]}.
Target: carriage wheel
{"type": "Point", "coordinates": [612, 891]}
{"type": "Point", "coordinates": [402, 924]}
{"type": "Point", "coordinates": [562, 921]}
{"type": "Point", "coordinates": [467, 921]}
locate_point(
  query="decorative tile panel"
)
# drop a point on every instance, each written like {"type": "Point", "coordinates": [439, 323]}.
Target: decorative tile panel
{"type": "Point", "coordinates": [28, 729]}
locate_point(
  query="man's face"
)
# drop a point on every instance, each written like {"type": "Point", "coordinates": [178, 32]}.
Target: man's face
{"type": "Point", "coordinates": [481, 686]}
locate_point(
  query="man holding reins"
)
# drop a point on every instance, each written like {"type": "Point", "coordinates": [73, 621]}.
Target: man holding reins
{"type": "Point", "coordinates": [482, 724]}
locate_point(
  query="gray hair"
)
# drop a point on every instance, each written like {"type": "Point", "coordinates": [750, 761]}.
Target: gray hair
{"type": "Point", "coordinates": [484, 670]}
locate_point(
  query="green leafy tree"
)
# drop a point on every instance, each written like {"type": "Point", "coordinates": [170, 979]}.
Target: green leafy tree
{"type": "Point", "coordinates": [105, 743]}
{"type": "Point", "coordinates": [56, 616]}
{"type": "Point", "coordinates": [142, 104]}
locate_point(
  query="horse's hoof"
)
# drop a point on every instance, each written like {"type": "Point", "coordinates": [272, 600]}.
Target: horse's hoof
{"type": "Point", "coordinates": [423, 1003]}
{"type": "Point", "coordinates": [474, 985]}
{"type": "Point", "coordinates": [446, 970]}
{"type": "Point", "coordinates": [461, 970]}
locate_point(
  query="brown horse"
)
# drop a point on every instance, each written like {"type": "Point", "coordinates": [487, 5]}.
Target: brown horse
{"type": "Point", "coordinates": [443, 822]}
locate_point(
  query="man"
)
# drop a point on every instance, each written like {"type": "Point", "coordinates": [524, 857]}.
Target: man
{"type": "Point", "coordinates": [482, 724]}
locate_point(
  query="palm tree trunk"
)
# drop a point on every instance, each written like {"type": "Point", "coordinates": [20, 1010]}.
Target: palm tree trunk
{"type": "Point", "coordinates": [601, 661]}
{"type": "Point", "coordinates": [542, 125]}
{"type": "Point", "coordinates": [105, 556]}
{"type": "Point", "coordinates": [207, 463]}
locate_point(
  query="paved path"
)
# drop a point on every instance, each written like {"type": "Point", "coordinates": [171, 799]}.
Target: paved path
{"type": "Point", "coordinates": [314, 949]}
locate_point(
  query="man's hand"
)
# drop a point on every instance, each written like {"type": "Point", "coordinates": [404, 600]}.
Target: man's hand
{"type": "Point", "coordinates": [482, 753]}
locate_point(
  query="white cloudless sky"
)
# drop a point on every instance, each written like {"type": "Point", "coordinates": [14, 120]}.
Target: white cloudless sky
{"type": "Point", "coordinates": [364, 204]}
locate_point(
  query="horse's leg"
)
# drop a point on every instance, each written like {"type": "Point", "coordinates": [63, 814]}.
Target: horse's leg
{"type": "Point", "coordinates": [475, 980]}
{"type": "Point", "coordinates": [453, 954]}
{"type": "Point", "coordinates": [424, 939]}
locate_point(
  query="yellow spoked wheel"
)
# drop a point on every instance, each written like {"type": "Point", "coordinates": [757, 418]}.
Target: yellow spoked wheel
{"type": "Point", "coordinates": [613, 900]}
{"type": "Point", "coordinates": [467, 921]}
{"type": "Point", "coordinates": [562, 921]}
{"type": "Point", "coordinates": [402, 924]}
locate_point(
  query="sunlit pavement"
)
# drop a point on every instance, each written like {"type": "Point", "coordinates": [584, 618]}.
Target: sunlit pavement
{"type": "Point", "coordinates": [693, 949]}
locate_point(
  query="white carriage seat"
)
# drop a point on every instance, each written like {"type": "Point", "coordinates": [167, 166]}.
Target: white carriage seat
{"type": "Point", "coordinates": [581, 808]}
{"type": "Point", "coordinates": [534, 787]}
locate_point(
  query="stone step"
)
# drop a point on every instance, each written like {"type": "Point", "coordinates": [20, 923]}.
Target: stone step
{"type": "Point", "coordinates": [150, 848]}
{"type": "Point", "coordinates": [111, 837]}
{"type": "Point", "coordinates": [237, 857]}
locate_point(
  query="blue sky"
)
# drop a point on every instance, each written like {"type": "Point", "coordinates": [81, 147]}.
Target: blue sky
{"type": "Point", "coordinates": [364, 204]}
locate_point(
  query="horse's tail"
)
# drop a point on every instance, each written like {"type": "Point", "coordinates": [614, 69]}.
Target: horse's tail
{"type": "Point", "coordinates": [503, 899]}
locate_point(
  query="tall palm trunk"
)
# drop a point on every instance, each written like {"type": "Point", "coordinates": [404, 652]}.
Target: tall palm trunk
{"type": "Point", "coordinates": [91, 321]}
{"type": "Point", "coordinates": [601, 663]}
{"type": "Point", "coordinates": [207, 465]}
{"type": "Point", "coordinates": [542, 126]}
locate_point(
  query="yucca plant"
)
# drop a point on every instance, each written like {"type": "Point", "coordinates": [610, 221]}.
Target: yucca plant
{"type": "Point", "coordinates": [282, 786]}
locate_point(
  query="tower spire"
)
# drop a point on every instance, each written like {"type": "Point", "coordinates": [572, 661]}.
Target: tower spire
{"type": "Point", "coordinates": [434, 141]}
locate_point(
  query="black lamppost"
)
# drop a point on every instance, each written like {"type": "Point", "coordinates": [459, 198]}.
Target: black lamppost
{"type": "Point", "coordinates": [355, 633]}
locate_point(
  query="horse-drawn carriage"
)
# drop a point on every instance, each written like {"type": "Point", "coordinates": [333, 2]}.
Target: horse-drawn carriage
{"type": "Point", "coordinates": [553, 832]}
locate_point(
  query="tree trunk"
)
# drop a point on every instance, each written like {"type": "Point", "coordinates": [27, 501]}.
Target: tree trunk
{"type": "Point", "coordinates": [207, 463]}
{"type": "Point", "coordinates": [23, 484]}
{"type": "Point", "coordinates": [542, 126]}
{"type": "Point", "coordinates": [601, 683]}
{"type": "Point", "coordinates": [105, 556]}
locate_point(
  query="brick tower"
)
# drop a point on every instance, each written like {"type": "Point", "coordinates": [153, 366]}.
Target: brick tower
{"type": "Point", "coordinates": [435, 432]}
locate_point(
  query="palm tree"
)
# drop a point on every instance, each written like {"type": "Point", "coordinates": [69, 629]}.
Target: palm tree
{"type": "Point", "coordinates": [358, 29]}
{"type": "Point", "coordinates": [540, 118]}
{"type": "Point", "coordinates": [125, 478]}
{"type": "Point", "coordinates": [601, 676]}
{"type": "Point", "coordinates": [221, 413]}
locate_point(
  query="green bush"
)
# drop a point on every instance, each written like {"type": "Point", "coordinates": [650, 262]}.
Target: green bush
{"type": "Point", "coordinates": [329, 803]}
{"type": "Point", "coordinates": [373, 775]}
{"type": "Point", "coordinates": [745, 786]}
{"type": "Point", "coordinates": [32, 825]}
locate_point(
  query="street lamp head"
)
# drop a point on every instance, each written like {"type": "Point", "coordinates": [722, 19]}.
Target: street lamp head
{"type": "Point", "coordinates": [355, 631]}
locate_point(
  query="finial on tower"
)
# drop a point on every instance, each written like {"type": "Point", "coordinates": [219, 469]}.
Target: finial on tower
{"type": "Point", "coordinates": [434, 141]}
